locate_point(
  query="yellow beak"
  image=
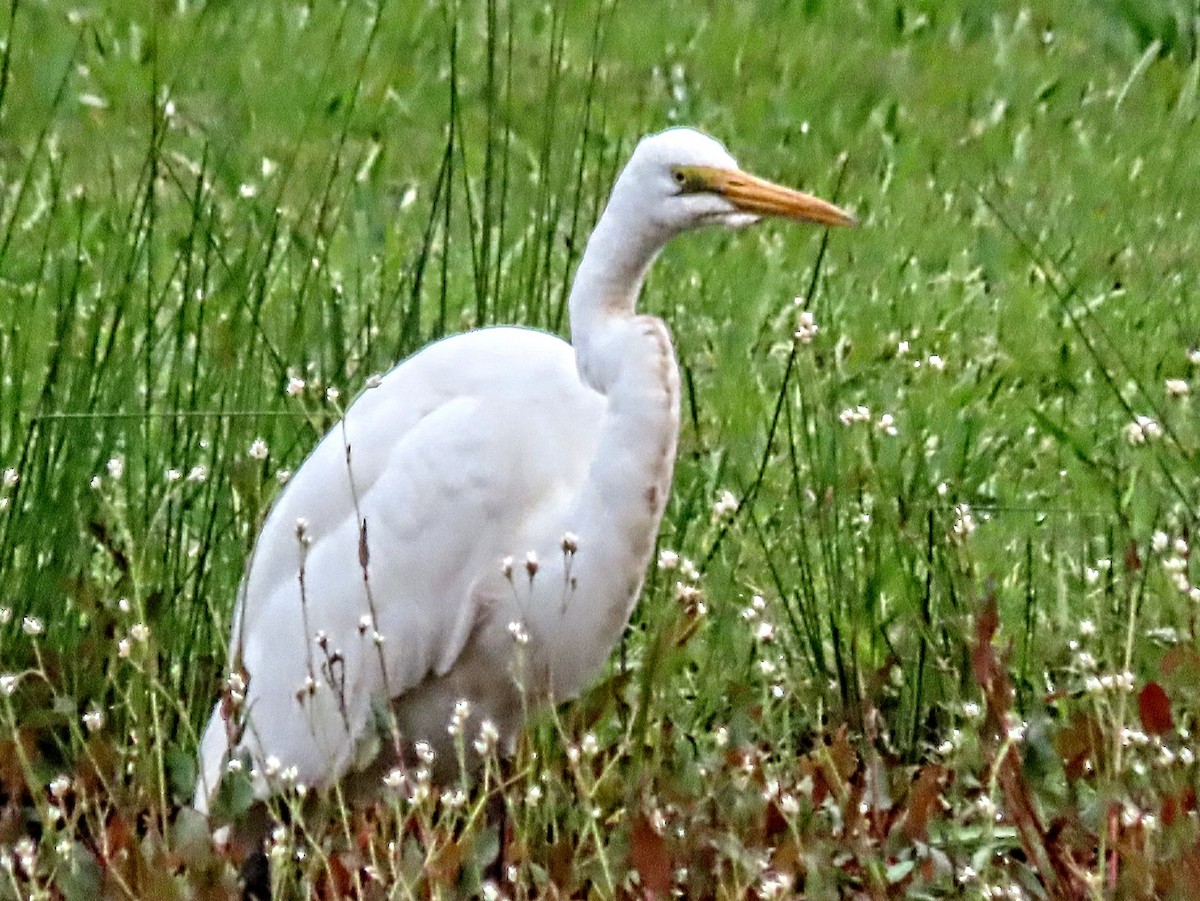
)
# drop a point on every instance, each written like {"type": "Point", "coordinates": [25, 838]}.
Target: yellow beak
{"type": "Point", "coordinates": [752, 194]}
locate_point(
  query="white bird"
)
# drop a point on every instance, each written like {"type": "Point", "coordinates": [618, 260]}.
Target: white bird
{"type": "Point", "coordinates": [479, 524]}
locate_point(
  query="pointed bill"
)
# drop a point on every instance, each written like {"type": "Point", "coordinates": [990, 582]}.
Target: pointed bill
{"type": "Point", "coordinates": [752, 194]}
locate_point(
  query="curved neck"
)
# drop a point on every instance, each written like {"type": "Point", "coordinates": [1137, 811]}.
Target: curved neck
{"type": "Point", "coordinates": [606, 288]}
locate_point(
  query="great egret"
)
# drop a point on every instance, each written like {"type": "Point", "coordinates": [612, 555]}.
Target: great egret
{"type": "Point", "coordinates": [479, 524]}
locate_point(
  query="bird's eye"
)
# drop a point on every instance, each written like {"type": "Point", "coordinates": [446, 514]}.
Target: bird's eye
{"type": "Point", "coordinates": [680, 177]}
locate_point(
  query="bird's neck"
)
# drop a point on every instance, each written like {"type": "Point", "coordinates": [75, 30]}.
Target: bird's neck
{"type": "Point", "coordinates": [604, 295]}
{"type": "Point", "coordinates": [629, 359]}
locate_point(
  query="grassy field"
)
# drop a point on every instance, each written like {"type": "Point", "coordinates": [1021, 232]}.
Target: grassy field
{"type": "Point", "coordinates": [947, 644]}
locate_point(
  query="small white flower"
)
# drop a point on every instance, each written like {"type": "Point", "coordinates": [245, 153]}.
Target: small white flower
{"type": "Point", "coordinates": [887, 425]}
{"type": "Point", "coordinates": [534, 794]}
{"type": "Point", "coordinates": [124, 648]}
{"type": "Point", "coordinates": [935, 363]}
{"type": "Point", "coordinates": [901, 348]}
{"type": "Point", "coordinates": [851, 415]}
{"type": "Point", "coordinates": [94, 483]}
{"type": "Point", "coordinates": [33, 626]}
{"type": "Point", "coordinates": [283, 476]}
{"type": "Point", "coordinates": [11, 477]}
{"type": "Point", "coordinates": [332, 394]}
{"type": "Point", "coordinates": [1142, 429]}
{"type": "Point", "coordinates": [5, 616]}
{"type": "Point", "coordinates": [806, 328]}
{"type": "Point", "coordinates": [589, 745]}
{"type": "Point", "coordinates": [1159, 541]}
{"type": "Point", "coordinates": [295, 386]}
{"type": "Point", "coordinates": [1177, 388]}
{"type": "Point", "coordinates": [272, 766]}
{"type": "Point", "coordinates": [246, 190]}
{"type": "Point", "coordinates": [258, 450]}
{"type": "Point", "coordinates": [116, 467]}
{"type": "Point", "coordinates": [489, 737]}
{"type": "Point", "coordinates": [139, 632]}
{"type": "Point", "coordinates": [721, 736]}
{"type": "Point", "coordinates": [570, 542]}
{"type": "Point", "coordinates": [765, 632]}
{"type": "Point", "coordinates": [174, 475]}
{"type": "Point", "coordinates": [1091, 575]}
{"type": "Point", "coordinates": [425, 754]}
{"type": "Point", "coordinates": [374, 381]}
{"type": "Point", "coordinates": [971, 710]}
{"type": "Point", "coordinates": [964, 522]}
{"type": "Point", "coordinates": [518, 632]}
{"type": "Point", "coordinates": [234, 765]}
{"type": "Point", "coordinates": [394, 779]}
{"type": "Point", "coordinates": [197, 474]}
{"type": "Point", "coordinates": [8, 684]}
{"type": "Point", "coordinates": [531, 563]}
{"type": "Point", "coordinates": [506, 567]}
{"type": "Point", "coordinates": [667, 559]}
{"type": "Point", "coordinates": [726, 505]}
{"type": "Point", "coordinates": [364, 623]}
{"type": "Point", "coordinates": [93, 720]}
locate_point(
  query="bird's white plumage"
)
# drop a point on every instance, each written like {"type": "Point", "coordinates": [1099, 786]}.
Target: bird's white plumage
{"type": "Point", "coordinates": [377, 584]}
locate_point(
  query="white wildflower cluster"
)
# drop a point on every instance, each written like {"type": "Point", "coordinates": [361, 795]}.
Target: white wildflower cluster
{"type": "Point", "coordinates": [295, 386]}
{"type": "Point", "coordinates": [763, 632]}
{"type": "Point", "coordinates": [258, 450]}
{"type": "Point", "coordinates": [1159, 751]}
{"type": "Point", "coordinates": [887, 425]}
{"type": "Point", "coordinates": [462, 713]}
{"type": "Point", "coordinates": [1177, 388]}
{"type": "Point", "coordinates": [951, 743]}
{"type": "Point", "coordinates": [1010, 892]}
{"type": "Point", "coordinates": [1109, 682]}
{"type": "Point", "coordinates": [1142, 429]}
{"type": "Point", "coordinates": [1175, 555]}
{"type": "Point", "coordinates": [851, 415]}
{"type": "Point", "coordinates": [488, 738]}
{"type": "Point", "coordinates": [806, 327]}
{"type": "Point", "coordinates": [8, 479]}
{"type": "Point", "coordinates": [93, 720]}
{"type": "Point", "coordinates": [964, 521]}
{"type": "Point", "coordinates": [726, 505]}
{"type": "Point", "coordinates": [569, 543]}
{"type": "Point", "coordinates": [775, 884]}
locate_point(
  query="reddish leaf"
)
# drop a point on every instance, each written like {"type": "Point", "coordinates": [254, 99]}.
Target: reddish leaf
{"type": "Point", "coordinates": [923, 800]}
{"type": "Point", "coordinates": [1133, 560]}
{"type": "Point", "coordinates": [1180, 657]}
{"type": "Point", "coordinates": [1155, 709]}
{"type": "Point", "coordinates": [649, 856]}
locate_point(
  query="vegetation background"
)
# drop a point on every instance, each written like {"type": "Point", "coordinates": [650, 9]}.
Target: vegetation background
{"type": "Point", "coordinates": [940, 637]}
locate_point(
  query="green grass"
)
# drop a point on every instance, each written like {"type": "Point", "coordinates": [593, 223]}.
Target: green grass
{"type": "Point", "coordinates": [200, 201]}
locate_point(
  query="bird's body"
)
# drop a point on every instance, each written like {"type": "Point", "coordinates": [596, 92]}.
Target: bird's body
{"type": "Point", "coordinates": [479, 524]}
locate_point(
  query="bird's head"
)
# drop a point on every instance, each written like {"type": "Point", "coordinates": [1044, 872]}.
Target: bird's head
{"type": "Point", "coordinates": [682, 179]}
